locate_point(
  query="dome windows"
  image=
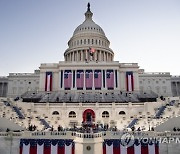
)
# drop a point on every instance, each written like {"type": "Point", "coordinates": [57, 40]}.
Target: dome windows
{"type": "Point", "coordinates": [122, 113]}
{"type": "Point", "coordinates": [72, 114]}
{"type": "Point", "coordinates": [55, 113]}
{"type": "Point", "coordinates": [105, 114]}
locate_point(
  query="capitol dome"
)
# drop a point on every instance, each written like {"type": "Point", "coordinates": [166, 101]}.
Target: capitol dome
{"type": "Point", "coordinates": [87, 36]}
{"type": "Point", "coordinates": [89, 26]}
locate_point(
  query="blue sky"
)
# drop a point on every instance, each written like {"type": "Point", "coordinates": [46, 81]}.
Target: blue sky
{"type": "Point", "coordinates": [140, 31]}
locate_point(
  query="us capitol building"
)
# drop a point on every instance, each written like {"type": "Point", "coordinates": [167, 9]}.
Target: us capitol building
{"type": "Point", "coordinates": [89, 87]}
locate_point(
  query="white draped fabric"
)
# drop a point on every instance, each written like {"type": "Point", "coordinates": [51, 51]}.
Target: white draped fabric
{"type": "Point", "coordinates": [137, 149]}
{"type": "Point", "coordinates": [48, 82]}
{"type": "Point", "coordinates": [129, 83]}
{"type": "Point", "coordinates": [109, 149]}
{"type": "Point", "coordinates": [54, 149]}
{"type": "Point", "coordinates": [40, 149]}
{"type": "Point", "coordinates": [68, 149]}
{"type": "Point", "coordinates": [151, 149]}
{"type": "Point", "coordinates": [123, 149]}
{"type": "Point", "coordinates": [26, 149]}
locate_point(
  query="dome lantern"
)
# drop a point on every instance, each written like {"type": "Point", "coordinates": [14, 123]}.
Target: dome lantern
{"type": "Point", "coordinates": [88, 13]}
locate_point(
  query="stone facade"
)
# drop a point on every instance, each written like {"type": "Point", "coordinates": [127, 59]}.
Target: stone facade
{"type": "Point", "coordinates": [158, 82]}
{"type": "Point", "coordinates": [3, 86]}
{"type": "Point", "coordinates": [175, 85]}
{"type": "Point", "coordinates": [19, 83]}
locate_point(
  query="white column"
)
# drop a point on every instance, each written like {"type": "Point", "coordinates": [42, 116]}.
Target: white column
{"type": "Point", "coordinates": [122, 81]}
{"type": "Point", "coordinates": [75, 79]}
{"type": "Point", "coordinates": [102, 79]}
{"type": "Point", "coordinates": [136, 81]}
{"type": "Point", "coordinates": [118, 80]}
{"type": "Point", "coordinates": [73, 56]}
{"type": "Point", "coordinates": [105, 80]}
{"type": "Point", "coordinates": [100, 58]}
{"type": "Point", "coordinates": [95, 55]}
{"type": "Point", "coordinates": [69, 56]}
{"type": "Point", "coordinates": [86, 57]}
{"type": "Point", "coordinates": [84, 88]}
{"type": "Point", "coordinates": [114, 79]}
{"type": "Point", "coordinates": [93, 88]}
{"type": "Point", "coordinates": [76, 55]}
{"type": "Point", "coordinates": [177, 89]}
{"type": "Point", "coordinates": [104, 56]}
{"type": "Point", "coordinates": [82, 55]}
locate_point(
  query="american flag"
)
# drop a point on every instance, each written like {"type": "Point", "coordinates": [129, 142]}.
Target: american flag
{"type": "Point", "coordinates": [89, 79]}
{"type": "Point", "coordinates": [110, 78]}
{"type": "Point", "coordinates": [46, 146]}
{"type": "Point", "coordinates": [80, 79]}
{"type": "Point", "coordinates": [91, 51]}
{"type": "Point", "coordinates": [97, 79]}
{"type": "Point", "coordinates": [48, 82]}
{"type": "Point", "coordinates": [130, 81]}
{"type": "Point", "coordinates": [114, 146]}
{"type": "Point", "coordinates": [67, 79]}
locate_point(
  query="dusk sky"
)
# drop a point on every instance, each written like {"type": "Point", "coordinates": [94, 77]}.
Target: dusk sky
{"type": "Point", "coordinates": [146, 32]}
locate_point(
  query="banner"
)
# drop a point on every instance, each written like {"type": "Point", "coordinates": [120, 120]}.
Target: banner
{"type": "Point", "coordinates": [130, 81]}
{"type": "Point", "coordinates": [48, 82]}
{"type": "Point", "coordinates": [46, 146]}
{"type": "Point", "coordinates": [115, 146]}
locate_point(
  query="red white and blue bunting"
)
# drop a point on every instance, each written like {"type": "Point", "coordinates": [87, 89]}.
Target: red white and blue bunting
{"type": "Point", "coordinates": [46, 146]}
{"type": "Point", "coordinates": [48, 82]}
{"type": "Point", "coordinates": [115, 146]}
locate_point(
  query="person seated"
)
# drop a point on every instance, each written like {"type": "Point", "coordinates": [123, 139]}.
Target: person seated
{"type": "Point", "coordinates": [139, 129]}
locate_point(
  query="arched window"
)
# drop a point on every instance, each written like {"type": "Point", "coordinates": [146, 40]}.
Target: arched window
{"type": "Point", "coordinates": [72, 114]}
{"type": "Point", "coordinates": [105, 114]}
{"type": "Point", "coordinates": [55, 113]}
{"type": "Point", "coordinates": [122, 113]}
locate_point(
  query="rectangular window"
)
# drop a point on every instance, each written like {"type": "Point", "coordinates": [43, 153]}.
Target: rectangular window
{"type": "Point", "coordinates": [66, 76]}
{"type": "Point", "coordinates": [87, 75]}
{"type": "Point", "coordinates": [108, 75]}
{"type": "Point", "coordinates": [95, 75]}
{"type": "Point", "coordinates": [78, 75]}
